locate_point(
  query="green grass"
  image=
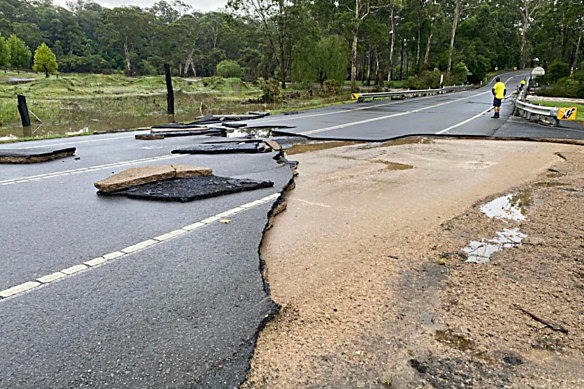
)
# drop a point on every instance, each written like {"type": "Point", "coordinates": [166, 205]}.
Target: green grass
{"type": "Point", "coordinates": [73, 101]}
{"type": "Point", "coordinates": [579, 115]}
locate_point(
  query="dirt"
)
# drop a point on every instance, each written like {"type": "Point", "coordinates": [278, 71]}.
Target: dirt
{"type": "Point", "coordinates": [375, 290]}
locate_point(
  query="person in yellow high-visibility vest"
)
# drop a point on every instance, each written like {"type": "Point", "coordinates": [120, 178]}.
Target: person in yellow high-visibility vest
{"type": "Point", "coordinates": [522, 85]}
{"type": "Point", "coordinates": [499, 92]}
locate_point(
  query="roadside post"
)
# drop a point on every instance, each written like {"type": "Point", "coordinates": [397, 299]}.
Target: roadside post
{"type": "Point", "coordinates": [23, 111]}
{"type": "Point", "coordinates": [169, 91]}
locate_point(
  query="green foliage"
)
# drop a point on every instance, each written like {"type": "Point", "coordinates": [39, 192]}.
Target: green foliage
{"type": "Point", "coordinates": [4, 52]}
{"type": "Point", "coordinates": [572, 86]}
{"type": "Point", "coordinates": [325, 60]}
{"type": "Point", "coordinates": [557, 69]}
{"type": "Point", "coordinates": [44, 60]}
{"type": "Point", "coordinates": [270, 90]}
{"type": "Point", "coordinates": [427, 79]}
{"type": "Point", "coordinates": [81, 64]}
{"type": "Point", "coordinates": [19, 53]}
{"type": "Point", "coordinates": [228, 68]}
{"type": "Point", "coordinates": [331, 88]}
{"type": "Point", "coordinates": [458, 75]}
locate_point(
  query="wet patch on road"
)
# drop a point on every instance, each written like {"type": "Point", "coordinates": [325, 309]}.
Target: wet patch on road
{"type": "Point", "coordinates": [190, 188]}
{"type": "Point", "coordinates": [34, 155]}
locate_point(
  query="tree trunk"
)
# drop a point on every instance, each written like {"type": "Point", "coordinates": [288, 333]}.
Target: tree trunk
{"type": "Point", "coordinates": [369, 64]}
{"type": "Point", "coordinates": [391, 45]}
{"type": "Point", "coordinates": [526, 23]}
{"type": "Point", "coordinates": [354, 55]}
{"type": "Point", "coordinates": [418, 41]}
{"type": "Point", "coordinates": [427, 54]}
{"type": "Point", "coordinates": [575, 62]}
{"type": "Point", "coordinates": [401, 64]}
{"type": "Point", "coordinates": [455, 19]}
{"type": "Point", "coordinates": [189, 62]}
{"type": "Point", "coordinates": [127, 55]}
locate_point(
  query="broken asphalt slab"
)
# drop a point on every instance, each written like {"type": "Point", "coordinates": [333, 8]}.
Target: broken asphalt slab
{"type": "Point", "coordinates": [34, 155]}
{"type": "Point", "coordinates": [190, 188]}
{"type": "Point", "coordinates": [147, 174]}
{"type": "Point", "coordinates": [224, 148]}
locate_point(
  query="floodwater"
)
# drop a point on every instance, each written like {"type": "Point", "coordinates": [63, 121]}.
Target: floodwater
{"type": "Point", "coordinates": [481, 251]}
{"type": "Point", "coordinates": [509, 207]}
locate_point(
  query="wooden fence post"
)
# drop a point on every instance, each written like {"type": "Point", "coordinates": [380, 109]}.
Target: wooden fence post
{"type": "Point", "coordinates": [23, 111]}
{"type": "Point", "coordinates": [169, 91]}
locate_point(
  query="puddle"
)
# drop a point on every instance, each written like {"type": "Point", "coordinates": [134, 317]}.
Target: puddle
{"type": "Point", "coordinates": [316, 146]}
{"type": "Point", "coordinates": [401, 142]}
{"type": "Point", "coordinates": [509, 207]}
{"type": "Point", "coordinates": [454, 340]}
{"type": "Point", "coordinates": [481, 251]}
{"type": "Point", "coordinates": [249, 133]}
{"type": "Point", "coordinates": [394, 165]}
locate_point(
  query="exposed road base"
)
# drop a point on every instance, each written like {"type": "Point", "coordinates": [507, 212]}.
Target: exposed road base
{"type": "Point", "coordinates": [374, 293]}
{"type": "Point", "coordinates": [190, 189]}
{"type": "Point", "coordinates": [34, 155]}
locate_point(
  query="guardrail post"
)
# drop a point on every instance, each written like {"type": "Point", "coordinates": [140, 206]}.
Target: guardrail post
{"type": "Point", "coordinates": [23, 111]}
{"type": "Point", "coordinates": [169, 90]}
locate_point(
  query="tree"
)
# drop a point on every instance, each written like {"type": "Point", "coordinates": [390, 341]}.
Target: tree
{"type": "Point", "coordinates": [228, 68]}
{"type": "Point", "coordinates": [4, 53]}
{"type": "Point", "coordinates": [325, 60]}
{"type": "Point", "coordinates": [44, 60]}
{"type": "Point", "coordinates": [527, 9]}
{"type": "Point", "coordinates": [19, 53]}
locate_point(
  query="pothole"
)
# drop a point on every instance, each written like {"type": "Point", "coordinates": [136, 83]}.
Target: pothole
{"type": "Point", "coordinates": [481, 251]}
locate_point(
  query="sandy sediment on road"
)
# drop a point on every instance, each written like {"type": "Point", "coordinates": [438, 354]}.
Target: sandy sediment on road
{"type": "Point", "coordinates": [366, 264]}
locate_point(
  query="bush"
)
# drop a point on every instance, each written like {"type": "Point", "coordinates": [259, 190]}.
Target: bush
{"type": "Point", "coordinates": [572, 86]}
{"type": "Point", "coordinates": [270, 89]}
{"type": "Point", "coordinates": [331, 87]}
{"type": "Point", "coordinates": [228, 68]}
{"type": "Point", "coordinates": [426, 79]}
{"type": "Point", "coordinates": [557, 69]}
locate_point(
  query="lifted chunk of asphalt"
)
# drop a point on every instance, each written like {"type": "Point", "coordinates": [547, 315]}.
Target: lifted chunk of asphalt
{"type": "Point", "coordinates": [34, 155]}
{"type": "Point", "coordinates": [190, 188]}
{"type": "Point", "coordinates": [224, 148]}
{"type": "Point", "coordinates": [147, 174]}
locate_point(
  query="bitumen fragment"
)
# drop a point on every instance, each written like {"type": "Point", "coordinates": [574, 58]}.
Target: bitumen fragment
{"type": "Point", "coordinates": [34, 155]}
{"type": "Point", "coordinates": [224, 148]}
{"type": "Point", "coordinates": [190, 188]}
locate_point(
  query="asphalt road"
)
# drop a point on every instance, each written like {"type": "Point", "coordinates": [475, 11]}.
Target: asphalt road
{"type": "Point", "coordinates": [463, 113]}
{"type": "Point", "coordinates": [182, 302]}
{"type": "Point", "coordinates": [180, 313]}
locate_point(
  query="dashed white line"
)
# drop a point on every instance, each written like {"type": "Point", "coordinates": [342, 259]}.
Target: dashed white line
{"type": "Point", "coordinates": [87, 169]}
{"type": "Point", "coordinates": [104, 259]}
{"type": "Point", "coordinates": [340, 126]}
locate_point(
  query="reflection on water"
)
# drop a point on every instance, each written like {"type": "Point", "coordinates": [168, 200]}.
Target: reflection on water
{"type": "Point", "coordinates": [481, 251]}
{"type": "Point", "coordinates": [510, 207]}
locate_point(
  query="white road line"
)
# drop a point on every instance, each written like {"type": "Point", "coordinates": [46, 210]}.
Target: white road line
{"type": "Point", "coordinates": [469, 119]}
{"type": "Point", "coordinates": [464, 122]}
{"type": "Point", "coordinates": [387, 116]}
{"type": "Point", "coordinates": [104, 259]}
{"type": "Point", "coordinates": [296, 117]}
{"type": "Point", "coordinates": [24, 144]}
{"type": "Point", "coordinates": [87, 169]}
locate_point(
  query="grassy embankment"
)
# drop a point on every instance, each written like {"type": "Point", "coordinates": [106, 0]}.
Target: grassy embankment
{"type": "Point", "coordinates": [91, 102]}
{"type": "Point", "coordinates": [580, 114]}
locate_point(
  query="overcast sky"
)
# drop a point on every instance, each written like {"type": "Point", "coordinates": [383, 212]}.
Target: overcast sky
{"type": "Point", "coordinates": [200, 5]}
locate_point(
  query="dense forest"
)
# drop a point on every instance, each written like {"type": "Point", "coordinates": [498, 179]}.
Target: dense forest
{"type": "Point", "coordinates": [300, 41]}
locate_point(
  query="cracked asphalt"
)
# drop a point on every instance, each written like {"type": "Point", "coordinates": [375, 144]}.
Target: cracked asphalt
{"type": "Point", "coordinates": [184, 312]}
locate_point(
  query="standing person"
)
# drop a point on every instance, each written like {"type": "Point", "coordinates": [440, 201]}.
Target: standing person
{"type": "Point", "coordinates": [521, 85]}
{"type": "Point", "coordinates": [499, 93]}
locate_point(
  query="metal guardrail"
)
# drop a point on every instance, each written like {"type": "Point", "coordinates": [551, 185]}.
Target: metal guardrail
{"type": "Point", "coordinates": [360, 97]}
{"type": "Point", "coordinates": [534, 111]}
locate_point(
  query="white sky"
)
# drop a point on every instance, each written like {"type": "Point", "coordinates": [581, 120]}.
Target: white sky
{"type": "Point", "coordinates": [199, 5]}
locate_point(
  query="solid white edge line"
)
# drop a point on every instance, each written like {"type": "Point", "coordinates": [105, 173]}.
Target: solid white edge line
{"type": "Point", "coordinates": [96, 262]}
{"type": "Point", "coordinates": [464, 122]}
{"type": "Point", "coordinates": [88, 169]}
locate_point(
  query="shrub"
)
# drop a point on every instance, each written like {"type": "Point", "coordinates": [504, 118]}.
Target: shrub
{"type": "Point", "coordinates": [557, 69]}
{"type": "Point", "coordinates": [228, 68]}
{"type": "Point", "coordinates": [270, 90]}
{"type": "Point", "coordinates": [331, 87]}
